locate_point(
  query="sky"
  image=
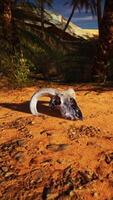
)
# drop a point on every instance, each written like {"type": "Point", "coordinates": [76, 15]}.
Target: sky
{"type": "Point", "coordinates": [83, 19]}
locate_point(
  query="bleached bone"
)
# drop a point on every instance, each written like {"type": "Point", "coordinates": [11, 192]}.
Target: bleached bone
{"type": "Point", "coordinates": [67, 105]}
{"type": "Point", "coordinates": [49, 92]}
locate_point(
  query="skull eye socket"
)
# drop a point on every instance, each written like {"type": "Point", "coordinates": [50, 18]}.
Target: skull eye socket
{"type": "Point", "coordinates": [57, 100]}
{"type": "Point", "coordinates": [73, 102]}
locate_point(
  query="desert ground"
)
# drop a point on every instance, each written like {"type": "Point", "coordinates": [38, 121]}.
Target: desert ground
{"type": "Point", "coordinates": [48, 157]}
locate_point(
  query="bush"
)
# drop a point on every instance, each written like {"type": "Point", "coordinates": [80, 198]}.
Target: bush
{"type": "Point", "coordinates": [16, 69]}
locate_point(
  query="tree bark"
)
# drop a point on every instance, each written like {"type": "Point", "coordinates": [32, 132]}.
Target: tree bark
{"type": "Point", "coordinates": [105, 49]}
{"type": "Point", "coordinates": [99, 13]}
{"type": "Point", "coordinates": [70, 17]}
{"type": "Point", "coordinates": [7, 17]}
{"type": "Point", "coordinates": [9, 27]}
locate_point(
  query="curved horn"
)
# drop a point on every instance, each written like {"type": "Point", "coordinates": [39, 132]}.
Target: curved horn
{"type": "Point", "coordinates": [42, 92]}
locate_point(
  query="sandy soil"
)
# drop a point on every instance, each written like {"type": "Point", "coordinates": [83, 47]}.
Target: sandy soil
{"type": "Point", "coordinates": [51, 158]}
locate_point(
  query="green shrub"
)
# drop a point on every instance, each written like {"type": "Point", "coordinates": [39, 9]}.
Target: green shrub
{"type": "Point", "coordinates": [15, 67]}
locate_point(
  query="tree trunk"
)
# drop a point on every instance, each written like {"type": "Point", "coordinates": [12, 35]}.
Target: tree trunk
{"type": "Point", "coordinates": [99, 14]}
{"type": "Point", "coordinates": [42, 18]}
{"type": "Point", "coordinates": [70, 17]}
{"type": "Point", "coordinates": [9, 27]}
{"type": "Point", "coordinates": [105, 49]}
{"type": "Point", "coordinates": [7, 18]}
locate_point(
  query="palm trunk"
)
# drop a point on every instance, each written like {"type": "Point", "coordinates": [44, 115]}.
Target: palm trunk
{"type": "Point", "coordinates": [70, 17]}
{"type": "Point", "coordinates": [99, 14]}
{"type": "Point", "coordinates": [105, 41]}
{"type": "Point", "coordinates": [42, 16]}
{"type": "Point", "coordinates": [7, 18]}
{"type": "Point", "coordinates": [9, 28]}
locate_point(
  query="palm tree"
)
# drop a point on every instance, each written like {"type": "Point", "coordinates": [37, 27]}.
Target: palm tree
{"type": "Point", "coordinates": [6, 16]}
{"type": "Point", "coordinates": [105, 26]}
{"type": "Point", "coordinates": [99, 13]}
{"type": "Point", "coordinates": [79, 5]}
{"type": "Point", "coordinates": [105, 48]}
{"type": "Point", "coordinates": [71, 15]}
{"type": "Point", "coordinates": [8, 23]}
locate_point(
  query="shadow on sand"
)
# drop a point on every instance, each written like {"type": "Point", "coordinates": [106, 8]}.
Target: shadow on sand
{"type": "Point", "coordinates": [24, 107]}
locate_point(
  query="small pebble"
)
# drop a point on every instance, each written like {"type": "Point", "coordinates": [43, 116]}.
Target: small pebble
{"type": "Point", "coordinates": [8, 174]}
{"type": "Point", "coordinates": [4, 169]}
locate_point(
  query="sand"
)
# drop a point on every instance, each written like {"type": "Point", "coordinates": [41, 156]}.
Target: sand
{"type": "Point", "coordinates": [48, 157]}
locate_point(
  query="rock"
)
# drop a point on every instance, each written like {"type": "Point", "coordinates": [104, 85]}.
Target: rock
{"type": "Point", "coordinates": [1, 172]}
{"type": "Point", "coordinates": [109, 158]}
{"type": "Point", "coordinates": [56, 147]}
{"type": "Point", "coordinates": [18, 156]}
{"type": "Point", "coordinates": [4, 169]}
{"type": "Point", "coordinates": [9, 175]}
{"type": "Point", "coordinates": [31, 122]}
{"type": "Point", "coordinates": [94, 194]}
{"type": "Point", "coordinates": [20, 142]}
{"type": "Point", "coordinates": [52, 196]}
{"type": "Point", "coordinates": [84, 177]}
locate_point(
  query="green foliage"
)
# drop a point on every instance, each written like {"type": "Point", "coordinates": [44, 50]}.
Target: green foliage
{"type": "Point", "coordinates": [15, 68]}
{"type": "Point", "coordinates": [19, 71]}
{"type": "Point", "coordinates": [39, 52]}
{"type": "Point", "coordinates": [43, 52]}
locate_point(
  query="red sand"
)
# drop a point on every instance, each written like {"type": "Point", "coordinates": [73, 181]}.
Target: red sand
{"type": "Point", "coordinates": [51, 158]}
